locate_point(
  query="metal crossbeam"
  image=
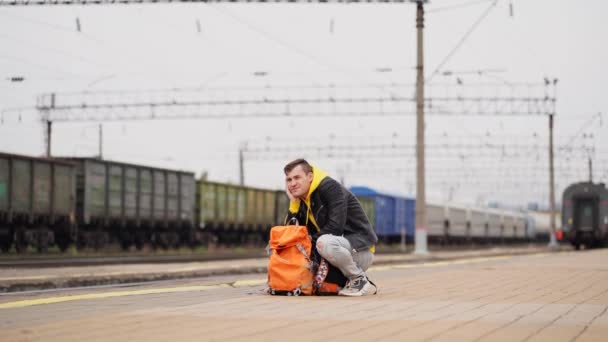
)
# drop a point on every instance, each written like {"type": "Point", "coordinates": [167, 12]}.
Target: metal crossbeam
{"type": "Point", "coordinates": [441, 150]}
{"type": "Point", "coordinates": [283, 108]}
{"type": "Point", "coordinates": [127, 2]}
{"type": "Point", "coordinates": [222, 103]}
{"type": "Point", "coordinates": [328, 146]}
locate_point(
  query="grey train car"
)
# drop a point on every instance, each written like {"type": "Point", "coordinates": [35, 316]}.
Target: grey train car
{"type": "Point", "coordinates": [508, 228]}
{"type": "Point", "coordinates": [133, 204]}
{"type": "Point", "coordinates": [458, 223]}
{"type": "Point", "coordinates": [438, 223]}
{"type": "Point", "coordinates": [495, 225]}
{"type": "Point", "coordinates": [37, 202]}
{"type": "Point", "coordinates": [585, 214]}
{"type": "Point", "coordinates": [478, 218]}
{"type": "Point", "coordinates": [450, 223]}
{"type": "Point", "coordinates": [521, 231]}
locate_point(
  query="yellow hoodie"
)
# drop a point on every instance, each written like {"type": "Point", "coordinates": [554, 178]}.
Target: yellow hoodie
{"type": "Point", "coordinates": [294, 206]}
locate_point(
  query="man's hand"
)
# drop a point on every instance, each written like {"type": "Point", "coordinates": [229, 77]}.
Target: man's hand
{"type": "Point", "coordinates": [291, 198]}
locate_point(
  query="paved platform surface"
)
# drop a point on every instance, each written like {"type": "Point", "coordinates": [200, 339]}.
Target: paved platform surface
{"type": "Point", "coordinates": [538, 297]}
{"type": "Point", "coordinates": [22, 278]}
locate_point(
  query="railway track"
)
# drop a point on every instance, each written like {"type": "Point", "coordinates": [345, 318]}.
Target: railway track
{"type": "Point", "coordinates": [41, 261]}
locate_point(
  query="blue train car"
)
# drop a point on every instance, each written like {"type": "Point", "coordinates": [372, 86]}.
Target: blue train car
{"type": "Point", "coordinates": [406, 215]}
{"type": "Point", "coordinates": [392, 213]}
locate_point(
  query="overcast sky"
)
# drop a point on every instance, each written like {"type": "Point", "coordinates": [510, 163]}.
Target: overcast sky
{"type": "Point", "coordinates": [358, 48]}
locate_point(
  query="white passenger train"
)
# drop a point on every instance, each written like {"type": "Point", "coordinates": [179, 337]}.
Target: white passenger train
{"type": "Point", "coordinates": [450, 223]}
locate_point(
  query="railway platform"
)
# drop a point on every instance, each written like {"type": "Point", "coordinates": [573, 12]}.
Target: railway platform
{"type": "Point", "coordinates": [542, 296]}
{"type": "Point", "coordinates": [24, 277]}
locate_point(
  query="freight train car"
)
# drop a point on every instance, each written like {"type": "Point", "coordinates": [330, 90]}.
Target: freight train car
{"type": "Point", "coordinates": [37, 202]}
{"type": "Point", "coordinates": [132, 204]}
{"type": "Point", "coordinates": [388, 214]}
{"type": "Point", "coordinates": [585, 214]}
{"type": "Point", "coordinates": [92, 202]}
{"type": "Point", "coordinates": [367, 204]}
{"type": "Point", "coordinates": [237, 214]}
{"type": "Point", "coordinates": [282, 207]}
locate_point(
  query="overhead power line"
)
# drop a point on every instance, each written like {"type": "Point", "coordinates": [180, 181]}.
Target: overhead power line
{"type": "Point", "coordinates": [462, 40]}
{"type": "Point", "coordinates": [54, 70]}
{"type": "Point", "coordinates": [585, 125]}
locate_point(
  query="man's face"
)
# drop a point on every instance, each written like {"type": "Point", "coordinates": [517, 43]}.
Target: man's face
{"type": "Point", "coordinates": [298, 182]}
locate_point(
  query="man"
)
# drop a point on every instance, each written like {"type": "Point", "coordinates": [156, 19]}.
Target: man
{"type": "Point", "coordinates": [335, 220]}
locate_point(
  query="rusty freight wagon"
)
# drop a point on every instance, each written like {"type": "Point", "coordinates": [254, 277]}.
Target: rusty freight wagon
{"type": "Point", "coordinates": [235, 214]}
{"type": "Point", "coordinates": [282, 207]}
{"type": "Point", "coordinates": [37, 202]}
{"type": "Point", "coordinates": [133, 204]}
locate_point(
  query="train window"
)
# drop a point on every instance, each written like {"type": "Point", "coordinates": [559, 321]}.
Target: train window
{"type": "Point", "coordinates": [587, 212]}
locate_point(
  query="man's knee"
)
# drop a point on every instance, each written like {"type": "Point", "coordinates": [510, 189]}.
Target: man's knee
{"type": "Point", "coordinates": [327, 245]}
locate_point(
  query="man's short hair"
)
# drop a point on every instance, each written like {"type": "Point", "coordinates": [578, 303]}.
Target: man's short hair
{"type": "Point", "coordinates": [292, 165]}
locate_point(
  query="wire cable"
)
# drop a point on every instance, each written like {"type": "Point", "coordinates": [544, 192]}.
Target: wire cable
{"type": "Point", "coordinates": [43, 67]}
{"type": "Point", "coordinates": [53, 26]}
{"type": "Point", "coordinates": [585, 125]}
{"type": "Point", "coordinates": [291, 47]}
{"type": "Point", "coordinates": [52, 50]}
{"type": "Point", "coordinates": [463, 39]}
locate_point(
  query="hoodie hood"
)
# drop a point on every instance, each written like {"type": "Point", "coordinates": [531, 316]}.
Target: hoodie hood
{"type": "Point", "coordinates": [318, 176]}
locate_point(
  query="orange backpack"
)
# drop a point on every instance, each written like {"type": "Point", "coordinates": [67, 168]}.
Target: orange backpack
{"type": "Point", "coordinates": [289, 265]}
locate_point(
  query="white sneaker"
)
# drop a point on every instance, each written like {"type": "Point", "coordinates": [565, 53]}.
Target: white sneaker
{"type": "Point", "coordinates": [359, 286]}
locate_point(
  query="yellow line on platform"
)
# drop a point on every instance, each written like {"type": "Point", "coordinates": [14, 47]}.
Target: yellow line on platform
{"type": "Point", "coordinates": [250, 282]}
{"type": "Point", "coordinates": [52, 300]}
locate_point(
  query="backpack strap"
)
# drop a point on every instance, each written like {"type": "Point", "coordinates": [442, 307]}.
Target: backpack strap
{"type": "Point", "coordinates": [320, 275]}
{"type": "Point", "coordinates": [303, 251]}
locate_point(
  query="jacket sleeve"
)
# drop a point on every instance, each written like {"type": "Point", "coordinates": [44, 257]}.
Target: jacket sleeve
{"type": "Point", "coordinates": [333, 198]}
{"type": "Point", "coordinates": [294, 211]}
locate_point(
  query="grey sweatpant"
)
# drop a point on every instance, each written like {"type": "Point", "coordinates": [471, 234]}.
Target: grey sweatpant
{"type": "Point", "coordinates": [338, 252]}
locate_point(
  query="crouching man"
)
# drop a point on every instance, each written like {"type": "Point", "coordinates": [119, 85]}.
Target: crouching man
{"type": "Point", "coordinates": [335, 220]}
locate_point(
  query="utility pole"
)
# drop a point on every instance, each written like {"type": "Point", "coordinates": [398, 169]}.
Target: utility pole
{"type": "Point", "coordinates": [421, 223]}
{"type": "Point", "coordinates": [46, 115]}
{"type": "Point", "coordinates": [590, 170]}
{"type": "Point", "coordinates": [49, 125]}
{"type": "Point", "coordinates": [553, 241]}
{"type": "Point", "coordinates": [241, 164]}
{"type": "Point", "coordinates": [100, 141]}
